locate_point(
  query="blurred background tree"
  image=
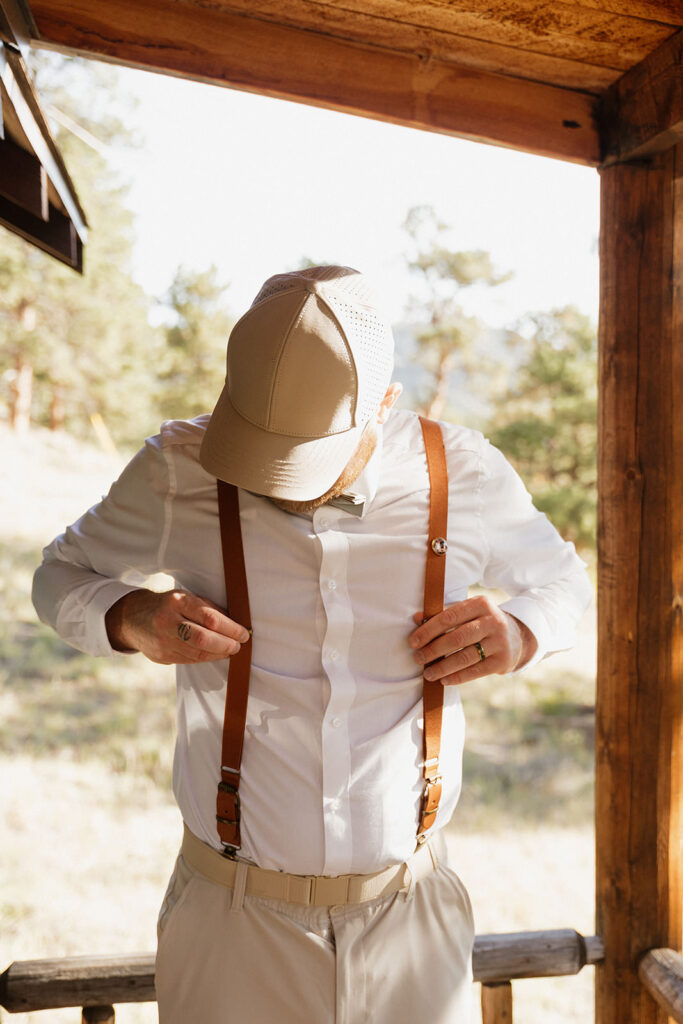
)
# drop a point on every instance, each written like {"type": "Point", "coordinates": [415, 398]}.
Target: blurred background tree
{"type": "Point", "coordinates": [546, 422]}
{"type": "Point", "coordinates": [72, 348]}
{"type": "Point", "coordinates": [446, 336]}
{"type": "Point", "coordinates": [192, 369]}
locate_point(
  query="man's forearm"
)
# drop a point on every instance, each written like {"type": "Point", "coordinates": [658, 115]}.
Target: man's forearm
{"type": "Point", "coordinates": [116, 618]}
{"type": "Point", "coordinates": [528, 645]}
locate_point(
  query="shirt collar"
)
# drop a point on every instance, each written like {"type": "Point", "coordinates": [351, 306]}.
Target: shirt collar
{"type": "Point", "coordinates": [365, 486]}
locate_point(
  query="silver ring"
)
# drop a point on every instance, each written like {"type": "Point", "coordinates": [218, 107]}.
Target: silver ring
{"type": "Point", "coordinates": [482, 656]}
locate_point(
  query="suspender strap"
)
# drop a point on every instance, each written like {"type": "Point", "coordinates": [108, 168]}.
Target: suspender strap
{"type": "Point", "coordinates": [435, 573]}
{"type": "Point", "coordinates": [228, 801]}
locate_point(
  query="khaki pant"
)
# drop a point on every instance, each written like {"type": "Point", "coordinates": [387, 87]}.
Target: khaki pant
{"type": "Point", "coordinates": [399, 959]}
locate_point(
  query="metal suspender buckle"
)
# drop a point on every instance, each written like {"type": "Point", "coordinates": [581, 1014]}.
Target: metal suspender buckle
{"type": "Point", "coordinates": [226, 787]}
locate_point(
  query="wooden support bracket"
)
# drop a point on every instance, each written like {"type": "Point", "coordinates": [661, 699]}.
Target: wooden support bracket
{"type": "Point", "coordinates": [642, 113]}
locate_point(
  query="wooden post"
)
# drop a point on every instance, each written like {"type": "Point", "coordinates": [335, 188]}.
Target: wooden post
{"type": "Point", "coordinates": [640, 552]}
{"type": "Point", "coordinates": [98, 1015]}
{"type": "Point", "coordinates": [496, 1003]}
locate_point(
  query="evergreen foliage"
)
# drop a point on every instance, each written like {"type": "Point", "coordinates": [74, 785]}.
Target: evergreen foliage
{"type": "Point", "coordinates": [546, 422]}
{"type": "Point", "coordinates": [447, 336]}
{"type": "Point", "coordinates": [192, 370]}
{"type": "Point", "coordinates": [87, 339]}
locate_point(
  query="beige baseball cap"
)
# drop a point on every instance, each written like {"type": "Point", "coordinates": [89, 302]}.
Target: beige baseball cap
{"type": "Point", "coordinates": [307, 367]}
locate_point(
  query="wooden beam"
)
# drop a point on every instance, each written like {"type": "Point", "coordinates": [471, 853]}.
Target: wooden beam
{"type": "Point", "coordinates": [56, 236]}
{"type": "Point", "coordinates": [639, 718]}
{"type": "Point", "coordinates": [102, 980]}
{"type": "Point", "coordinates": [642, 113]}
{"type": "Point", "coordinates": [661, 971]}
{"type": "Point", "coordinates": [23, 179]}
{"type": "Point", "coordinates": [217, 45]}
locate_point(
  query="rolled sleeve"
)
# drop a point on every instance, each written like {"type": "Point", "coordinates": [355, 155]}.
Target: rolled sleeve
{"type": "Point", "coordinates": [108, 552]}
{"type": "Point", "coordinates": [545, 579]}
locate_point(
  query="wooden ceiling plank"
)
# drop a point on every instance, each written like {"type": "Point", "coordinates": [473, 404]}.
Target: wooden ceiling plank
{"type": "Point", "coordinates": [23, 179]}
{"type": "Point", "coordinates": [667, 12]}
{"type": "Point", "coordinates": [361, 26]}
{"type": "Point", "coordinates": [548, 27]}
{"type": "Point", "coordinates": [56, 236]}
{"type": "Point", "coordinates": [264, 57]}
{"type": "Point", "coordinates": [642, 113]}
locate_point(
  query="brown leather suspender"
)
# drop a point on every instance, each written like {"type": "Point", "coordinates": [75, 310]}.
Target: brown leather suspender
{"type": "Point", "coordinates": [234, 722]}
{"type": "Point", "coordinates": [435, 572]}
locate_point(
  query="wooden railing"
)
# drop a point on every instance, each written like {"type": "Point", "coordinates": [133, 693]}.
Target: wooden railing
{"type": "Point", "coordinates": [96, 983]}
{"type": "Point", "coordinates": [661, 972]}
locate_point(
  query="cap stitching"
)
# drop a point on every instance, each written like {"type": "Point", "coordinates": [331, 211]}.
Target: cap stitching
{"type": "Point", "coordinates": [350, 361]}
{"type": "Point", "coordinates": [296, 319]}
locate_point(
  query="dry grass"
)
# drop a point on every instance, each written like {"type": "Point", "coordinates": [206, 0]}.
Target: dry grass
{"type": "Point", "coordinates": [87, 818]}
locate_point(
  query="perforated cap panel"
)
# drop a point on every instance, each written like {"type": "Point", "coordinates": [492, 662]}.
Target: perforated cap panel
{"type": "Point", "coordinates": [352, 302]}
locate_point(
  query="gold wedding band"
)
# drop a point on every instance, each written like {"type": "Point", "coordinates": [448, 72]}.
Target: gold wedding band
{"type": "Point", "coordinates": [482, 656]}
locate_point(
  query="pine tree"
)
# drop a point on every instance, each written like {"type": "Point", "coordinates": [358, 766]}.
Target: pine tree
{"type": "Point", "coordinates": [447, 336]}
{"type": "Point", "coordinates": [192, 370]}
{"type": "Point", "coordinates": [546, 423]}
{"type": "Point", "coordinates": [85, 341]}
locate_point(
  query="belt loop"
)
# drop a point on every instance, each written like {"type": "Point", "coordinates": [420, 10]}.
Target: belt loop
{"type": "Point", "coordinates": [239, 886]}
{"type": "Point", "coordinates": [410, 891]}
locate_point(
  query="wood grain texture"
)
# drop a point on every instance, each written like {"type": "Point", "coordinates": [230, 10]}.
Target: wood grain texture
{"type": "Point", "coordinates": [642, 113]}
{"type": "Point", "coordinates": [496, 1003]}
{"type": "Point", "coordinates": [95, 981]}
{"type": "Point", "coordinates": [640, 559]}
{"type": "Point", "coordinates": [550, 27]}
{"type": "Point", "coordinates": [668, 12]}
{"type": "Point", "coordinates": [413, 33]}
{"type": "Point", "coordinates": [78, 981]}
{"type": "Point", "coordinates": [661, 971]}
{"type": "Point", "coordinates": [261, 56]}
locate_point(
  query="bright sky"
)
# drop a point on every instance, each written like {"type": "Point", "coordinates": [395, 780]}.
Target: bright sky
{"type": "Point", "coordinates": [254, 184]}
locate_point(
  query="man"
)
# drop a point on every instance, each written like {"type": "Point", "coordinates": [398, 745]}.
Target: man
{"type": "Point", "coordinates": [303, 897]}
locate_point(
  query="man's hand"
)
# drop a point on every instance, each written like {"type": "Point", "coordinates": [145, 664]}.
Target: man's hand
{"type": "Point", "coordinates": [173, 628]}
{"type": "Point", "coordinates": [447, 643]}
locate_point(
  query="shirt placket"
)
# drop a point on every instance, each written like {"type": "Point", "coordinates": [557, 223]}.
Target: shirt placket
{"type": "Point", "coordinates": [336, 741]}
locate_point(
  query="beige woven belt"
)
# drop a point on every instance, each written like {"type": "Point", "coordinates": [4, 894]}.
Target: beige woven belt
{"type": "Point", "coordinates": [313, 890]}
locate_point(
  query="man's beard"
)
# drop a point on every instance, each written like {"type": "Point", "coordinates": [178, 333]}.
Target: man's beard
{"type": "Point", "coordinates": [350, 473]}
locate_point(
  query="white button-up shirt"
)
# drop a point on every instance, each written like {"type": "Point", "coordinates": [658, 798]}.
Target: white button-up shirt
{"type": "Point", "coordinates": [331, 772]}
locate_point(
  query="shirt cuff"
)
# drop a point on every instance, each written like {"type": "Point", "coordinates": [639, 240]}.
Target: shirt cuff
{"type": "Point", "coordinates": [527, 611]}
{"type": "Point", "coordinates": [90, 620]}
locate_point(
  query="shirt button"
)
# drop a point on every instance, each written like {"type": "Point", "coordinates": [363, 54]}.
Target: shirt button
{"type": "Point", "coordinates": [335, 723]}
{"type": "Point", "coordinates": [331, 585]}
{"type": "Point", "coordinates": [333, 654]}
{"type": "Point", "coordinates": [323, 522]}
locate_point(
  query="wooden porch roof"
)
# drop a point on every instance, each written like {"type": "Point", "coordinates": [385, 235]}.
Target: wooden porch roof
{"type": "Point", "coordinates": [556, 78]}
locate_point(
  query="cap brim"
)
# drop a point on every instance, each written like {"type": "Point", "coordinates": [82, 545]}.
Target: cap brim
{"type": "Point", "coordinates": [276, 465]}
